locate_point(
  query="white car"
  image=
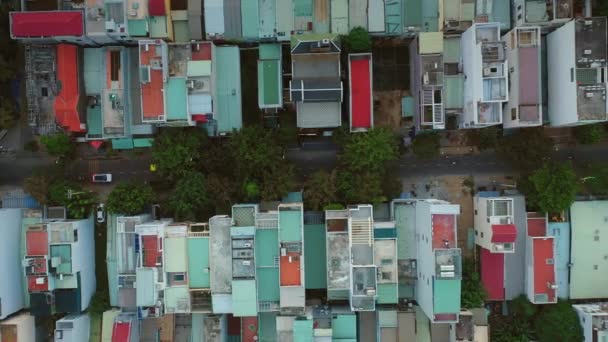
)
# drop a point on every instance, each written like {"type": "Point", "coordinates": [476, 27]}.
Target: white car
{"type": "Point", "coordinates": [102, 178]}
{"type": "Point", "coordinates": [101, 213]}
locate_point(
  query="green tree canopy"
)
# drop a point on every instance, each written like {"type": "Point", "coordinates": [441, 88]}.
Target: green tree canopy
{"type": "Point", "coordinates": [37, 185]}
{"type": "Point", "coordinates": [177, 151]}
{"type": "Point", "coordinates": [358, 40]}
{"type": "Point", "coordinates": [370, 151]}
{"type": "Point", "coordinates": [596, 178]}
{"type": "Point", "coordinates": [8, 117]}
{"type": "Point", "coordinates": [320, 190]}
{"type": "Point", "coordinates": [552, 188]}
{"type": "Point", "coordinates": [558, 323]}
{"type": "Point", "coordinates": [426, 145]}
{"type": "Point", "coordinates": [473, 295]}
{"type": "Point", "coordinates": [78, 206]}
{"type": "Point", "coordinates": [483, 138]}
{"type": "Point", "coordinates": [130, 198]}
{"type": "Point", "coordinates": [589, 134]}
{"type": "Point", "coordinates": [360, 187]}
{"type": "Point", "coordinates": [58, 144]}
{"type": "Point", "coordinates": [188, 199]}
{"type": "Point", "coordinates": [526, 149]}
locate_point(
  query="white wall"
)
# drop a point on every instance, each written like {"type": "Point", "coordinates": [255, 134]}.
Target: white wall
{"type": "Point", "coordinates": [426, 258]}
{"type": "Point", "coordinates": [26, 327]}
{"type": "Point", "coordinates": [561, 59]}
{"type": "Point", "coordinates": [80, 331]}
{"type": "Point", "coordinates": [83, 258]}
{"type": "Point", "coordinates": [375, 16]}
{"type": "Point", "coordinates": [10, 262]}
{"type": "Point", "coordinates": [214, 17]}
{"type": "Point", "coordinates": [471, 57]}
{"type": "Point", "coordinates": [481, 224]}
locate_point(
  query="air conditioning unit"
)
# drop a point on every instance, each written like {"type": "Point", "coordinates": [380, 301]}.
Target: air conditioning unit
{"type": "Point", "coordinates": [283, 251]}
{"type": "Point", "coordinates": [448, 274]}
{"type": "Point", "coordinates": [370, 292]}
{"type": "Point", "coordinates": [325, 41]}
{"type": "Point", "coordinates": [444, 268]}
{"type": "Point", "coordinates": [110, 26]}
{"type": "Point", "coordinates": [452, 25]}
{"type": "Point", "coordinates": [486, 71]}
{"type": "Point", "coordinates": [588, 95]}
{"type": "Point", "coordinates": [246, 262]}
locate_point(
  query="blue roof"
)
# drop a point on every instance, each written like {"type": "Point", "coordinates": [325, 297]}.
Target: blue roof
{"type": "Point", "coordinates": [488, 194]}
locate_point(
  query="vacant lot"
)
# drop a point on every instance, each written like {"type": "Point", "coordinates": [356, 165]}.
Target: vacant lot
{"type": "Point", "coordinates": [391, 64]}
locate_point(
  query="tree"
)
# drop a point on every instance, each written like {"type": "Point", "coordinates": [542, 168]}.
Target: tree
{"type": "Point", "coordinates": [370, 151]}
{"type": "Point", "coordinates": [177, 151]}
{"type": "Point", "coordinates": [320, 190]}
{"type": "Point", "coordinates": [596, 178]}
{"type": "Point", "coordinates": [360, 187]}
{"type": "Point", "coordinates": [552, 188]}
{"type": "Point", "coordinates": [58, 192]}
{"type": "Point", "coordinates": [358, 40]}
{"type": "Point", "coordinates": [8, 117]}
{"type": "Point", "coordinates": [473, 295]}
{"type": "Point", "coordinates": [426, 145]}
{"type": "Point", "coordinates": [558, 322]}
{"type": "Point", "coordinates": [100, 302]}
{"type": "Point", "coordinates": [277, 182]}
{"type": "Point", "coordinates": [130, 198]}
{"type": "Point", "coordinates": [526, 149]}
{"type": "Point", "coordinates": [483, 138]}
{"type": "Point", "coordinates": [188, 199]}
{"type": "Point", "coordinates": [222, 191]}
{"type": "Point", "coordinates": [78, 201]}
{"type": "Point", "coordinates": [58, 144]}
{"type": "Point", "coordinates": [37, 185]}
{"type": "Point", "coordinates": [255, 151]}
{"type": "Point", "coordinates": [589, 134]}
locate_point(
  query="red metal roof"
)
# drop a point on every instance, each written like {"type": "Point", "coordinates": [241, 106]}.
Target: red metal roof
{"type": "Point", "coordinates": [249, 329]}
{"type": "Point", "coordinates": [493, 274]}
{"type": "Point", "coordinates": [157, 8]}
{"type": "Point", "coordinates": [544, 271]}
{"type": "Point", "coordinates": [151, 250]}
{"type": "Point", "coordinates": [537, 226]}
{"type": "Point", "coordinates": [121, 332]}
{"type": "Point", "coordinates": [444, 231]}
{"type": "Point", "coordinates": [360, 93]}
{"type": "Point", "coordinates": [504, 233]}
{"type": "Point", "coordinates": [47, 24]}
{"type": "Point", "coordinates": [37, 242]}
{"type": "Point", "coordinates": [66, 102]}
{"type": "Point", "coordinates": [290, 269]}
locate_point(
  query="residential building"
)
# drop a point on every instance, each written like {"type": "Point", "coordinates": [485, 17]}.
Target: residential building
{"type": "Point", "coordinates": [106, 21]}
{"type": "Point", "coordinates": [458, 15]}
{"type": "Point", "coordinates": [357, 14]}
{"type": "Point", "coordinates": [576, 81]}
{"type": "Point", "coordinates": [403, 213]}
{"type": "Point", "coordinates": [363, 270]}
{"type": "Point", "coordinates": [426, 80]}
{"type": "Point", "coordinates": [393, 17]}
{"type": "Point", "coordinates": [376, 20]}
{"type": "Point", "coordinates": [560, 230]}
{"type": "Point", "coordinates": [153, 66]}
{"type": "Point", "coordinates": [291, 259]}
{"type": "Point", "coordinates": [73, 328]}
{"type": "Point", "coordinates": [316, 88]}
{"type": "Point", "coordinates": [472, 326]}
{"type": "Point", "coordinates": [11, 288]}
{"type": "Point", "coordinates": [484, 65]}
{"type": "Point", "coordinates": [21, 327]}
{"type": "Point", "coordinates": [494, 11]}
{"type": "Point", "coordinates": [59, 266]}
{"type": "Point", "coordinates": [67, 106]}
{"type": "Point", "coordinates": [587, 263]}
{"type": "Point", "coordinates": [387, 320]}
{"type": "Point", "coordinates": [542, 13]}
{"type": "Point", "coordinates": [228, 111]}
{"type": "Point", "coordinates": [125, 327]}
{"type": "Point", "coordinates": [199, 280]}
{"type": "Point", "coordinates": [496, 234]}
{"type": "Point", "coordinates": [453, 78]}
{"type": "Point", "coordinates": [48, 26]}
{"type": "Point", "coordinates": [242, 236]}
{"type": "Point", "coordinates": [541, 274]}
{"type": "Point", "coordinates": [339, 17]}
{"type": "Point", "coordinates": [385, 259]}
{"type": "Point", "coordinates": [214, 19]}
{"type": "Point", "coordinates": [421, 16]}
{"type": "Point", "coordinates": [285, 23]}
{"type": "Point", "coordinates": [361, 99]}
{"type": "Point", "coordinates": [270, 77]}
{"type": "Point", "coordinates": [337, 251]}
{"type": "Point", "coordinates": [594, 320]}
{"type": "Point", "coordinates": [220, 263]}
{"type": "Point", "coordinates": [438, 260]}
{"type": "Point", "coordinates": [524, 108]}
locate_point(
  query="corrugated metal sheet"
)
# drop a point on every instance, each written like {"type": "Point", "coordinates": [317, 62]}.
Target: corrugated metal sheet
{"type": "Point", "coordinates": [302, 330]}
{"type": "Point", "coordinates": [47, 24]}
{"type": "Point", "coordinates": [267, 327]}
{"type": "Point", "coordinates": [214, 17]}
{"type": "Point", "coordinates": [387, 318]}
{"type": "Point", "coordinates": [407, 326]}
{"type": "Point", "coordinates": [319, 114]}
{"type": "Point", "coordinates": [357, 13]}
{"type": "Point", "coordinates": [315, 259]}
{"type": "Point", "coordinates": [446, 296]}
{"type": "Point", "coordinates": [413, 14]}
{"type": "Point", "coordinates": [285, 20]}
{"type": "Point", "coordinates": [387, 293]}
{"type": "Point", "coordinates": [515, 262]}
{"type": "Point", "coordinates": [244, 298]}
{"type": "Point", "coordinates": [195, 26]}
{"type": "Point", "coordinates": [339, 16]}
{"type": "Point", "coordinates": [321, 16]}
{"type": "Point", "coordinates": [344, 327]}
{"type": "Point", "coordinates": [451, 50]}
{"type": "Point", "coordinates": [228, 88]}
{"type": "Point", "coordinates": [250, 21]}
{"type": "Point", "coordinates": [375, 16]}
{"type": "Point", "coordinates": [430, 13]}
{"type": "Point", "coordinates": [561, 232]}
{"type": "Point", "coordinates": [268, 18]}
{"type": "Point", "coordinates": [430, 42]}
{"type": "Point", "coordinates": [453, 91]}
{"type": "Point", "coordinates": [93, 70]}
{"type": "Point", "coordinates": [232, 19]}
{"type": "Point", "coordinates": [393, 16]}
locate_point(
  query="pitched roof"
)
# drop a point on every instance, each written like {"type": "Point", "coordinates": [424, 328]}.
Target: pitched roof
{"type": "Point", "coordinates": [46, 24]}
{"type": "Point", "coordinates": [66, 102]}
{"type": "Point", "coordinates": [504, 233]}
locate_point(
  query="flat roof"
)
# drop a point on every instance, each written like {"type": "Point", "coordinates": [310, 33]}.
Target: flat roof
{"type": "Point", "coordinates": [269, 78]}
{"type": "Point", "coordinates": [244, 298]}
{"type": "Point", "coordinates": [267, 19]}
{"type": "Point", "coordinates": [37, 242]}
{"type": "Point", "coordinates": [198, 262]}
{"type": "Point", "coordinates": [175, 249]}
{"type": "Point", "coordinates": [152, 81]}
{"type": "Point", "coordinates": [41, 24]}
{"type": "Point", "coordinates": [338, 261]}
{"type": "Point", "coordinates": [66, 101]}
{"type": "Point", "coordinates": [177, 100]}
{"type": "Point", "coordinates": [151, 251]}
{"type": "Point", "coordinates": [290, 269]}
{"type": "Point", "coordinates": [361, 104]}
{"type": "Point", "coordinates": [121, 332]}
{"type": "Point", "coordinates": [290, 224]}
{"type": "Point", "coordinates": [444, 231]}
{"type": "Point", "coordinates": [493, 274]}
{"type": "Point", "coordinates": [228, 111]}
{"type": "Point", "coordinates": [544, 273]}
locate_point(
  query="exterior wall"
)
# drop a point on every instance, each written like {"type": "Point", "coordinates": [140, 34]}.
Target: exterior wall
{"type": "Point", "coordinates": [214, 18]}
{"type": "Point", "coordinates": [515, 263]}
{"type": "Point", "coordinates": [561, 232]}
{"type": "Point", "coordinates": [83, 259]}
{"type": "Point", "coordinates": [80, 330]}
{"type": "Point", "coordinates": [561, 63]}
{"type": "Point", "coordinates": [25, 325]}
{"type": "Point", "coordinates": [471, 68]}
{"type": "Point", "coordinates": [10, 262]}
{"type": "Point", "coordinates": [375, 16]}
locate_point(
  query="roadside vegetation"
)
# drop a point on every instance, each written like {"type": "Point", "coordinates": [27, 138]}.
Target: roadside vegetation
{"type": "Point", "coordinates": [130, 198]}
{"type": "Point", "coordinates": [8, 60]}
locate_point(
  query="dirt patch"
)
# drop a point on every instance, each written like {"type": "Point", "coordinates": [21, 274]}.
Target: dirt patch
{"type": "Point", "coordinates": [387, 108]}
{"type": "Point", "coordinates": [249, 87]}
{"type": "Point", "coordinates": [391, 64]}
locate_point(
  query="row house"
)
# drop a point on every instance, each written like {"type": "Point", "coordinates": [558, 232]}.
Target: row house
{"type": "Point", "coordinates": [594, 320]}
{"type": "Point", "coordinates": [59, 266]}
{"type": "Point", "coordinates": [11, 288]}
{"type": "Point", "coordinates": [361, 99]}
{"type": "Point", "coordinates": [541, 268]}
{"type": "Point", "coordinates": [72, 328]}
{"type": "Point", "coordinates": [270, 77]}
{"type": "Point", "coordinates": [20, 327]}
{"type": "Point", "coordinates": [542, 13]}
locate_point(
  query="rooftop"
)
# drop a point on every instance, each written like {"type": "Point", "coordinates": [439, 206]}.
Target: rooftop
{"type": "Point", "coordinates": [444, 231]}
{"type": "Point", "coordinates": [361, 96]}
{"type": "Point", "coordinates": [40, 24]}
{"type": "Point", "coordinates": [228, 111]}
{"type": "Point", "coordinates": [66, 102]}
{"type": "Point", "coordinates": [338, 263]}
{"type": "Point", "coordinates": [153, 61]}
{"type": "Point", "coordinates": [590, 41]}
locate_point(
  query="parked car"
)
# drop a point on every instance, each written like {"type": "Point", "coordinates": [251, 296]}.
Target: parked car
{"type": "Point", "coordinates": [102, 178]}
{"type": "Point", "coordinates": [101, 213]}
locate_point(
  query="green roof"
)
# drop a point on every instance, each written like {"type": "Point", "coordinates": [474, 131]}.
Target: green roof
{"type": "Point", "coordinates": [143, 142]}
{"type": "Point", "coordinates": [266, 247]}
{"type": "Point", "coordinates": [137, 27]}
{"type": "Point", "coordinates": [344, 327]}
{"type": "Point", "coordinates": [267, 327]}
{"type": "Point", "coordinates": [198, 327]}
{"type": "Point", "coordinates": [413, 13]}
{"type": "Point", "coordinates": [249, 22]}
{"type": "Point", "coordinates": [198, 262]}
{"type": "Point", "coordinates": [268, 281]}
{"type": "Point", "coordinates": [181, 32]}
{"type": "Point", "coordinates": [158, 27]}
{"type": "Point", "coordinates": [228, 88]}
{"type": "Point", "coordinates": [290, 224]}
{"type": "Point", "coordinates": [451, 50]}
{"type": "Point", "coordinates": [94, 120]}
{"type": "Point", "coordinates": [93, 70]}
{"type": "Point", "coordinates": [430, 13]}
{"type": "Point", "coordinates": [244, 298]}
{"type": "Point", "coordinates": [387, 294]}
{"type": "Point", "coordinates": [453, 92]}
{"type": "Point", "coordinates": [270, 51]}
{"type": "Point", "coordinates": [302, 330]}
{"type": "Point", "coordinates": [315, 259]}
{"type": "Point", "coordinates": [446, 296]}
{"type": "Point", "coordinates": [65, 253]}
{"type": "Point", "coordinates": [269, 77]}
{"type": "Point", "coordinates": [302, 8]}
{"type": "Point", "coordinates": [177, 99]}
{"type": "Point", "coordinates": [393, 11]}
{"type": "Point", "coordinates": [122, 144]}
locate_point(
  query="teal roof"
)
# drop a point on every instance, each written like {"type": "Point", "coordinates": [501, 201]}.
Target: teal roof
{"type": "Point", "coordinates": [302, 8]}
{"type": "Point", "coordinates": [122, 144]}
{"type": "Point", "coordinates": [407, 106]}
{"type": "Point", "coordinates": [446, 296]}
{"type": "Point", "coordinates": [181, 32]}
{"type": "Point", "coordinates": [453, 92]}
{"type": "Point", "coordinates": [387, 294]}
{"type": "Point", "coordinates": [302, 330]}
{"type": "Point", "coordinates": [341, 294]}
{"type": "Point", "coordinates": [385, 233]}
{"type": "Point", "coordinates": [143, 142]}
{"type": "Point", "coordinates": [290, 224]}
{"type": "Point", "coordinates": [315, 259]}
{"type": "Point", "coordinates": [137, 27]}
{"type": "Point", "coordinates": [387, 318]}
{"type": "Point", "coordinates": [267, 327]}
{"type": "Point", "coordinates": [198, 262]}
{"type": "Point", "coordinates": [293, 197]}
{"type": "Point", "coordinates": [393, 11]}
{"type": "Point", "coordinates": [158, 27]}
{"type": "Point", "coordinates": [65, 253]}
{"type": "Point", "coordinates": [344, 327]}
{"type": "Point", "coordinates": [266, 247]}
{"type": "Point", "coordinates": [405, 224]}
{"type": "Point", "coordinates": [413, 13]}
{"type": "Point", "coordinates": [228, 88]}
{"type": "Point", "coordinates": [269, 78]}
{"type": "Point", "coordinates": [501, 12]}
{"type": "Point", "coordinates": [93, 70]}
{"type": "Point", "coordinates": [270, 51]}
{"type": "Point", "coordinates": [267, 19]}
{"type": "Point", "coordinates": [249, 22]}
{"type": "Point", "coordinates": [94, 120]}
{"type": "Point", "coordinates": [451, 50]}
{"type": "Point", "coordinates": [198, 327]}
{"type": "Point", "coordinates": [244, 298]}
{"type": "Point", "coordinates": [177, 99]}
{"type": "Point", "coordinates": [430, 13]}
{"type": "Point", "coordinates": [111, 259]}
{"type": "Point", "coordinates": [268, 281]}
